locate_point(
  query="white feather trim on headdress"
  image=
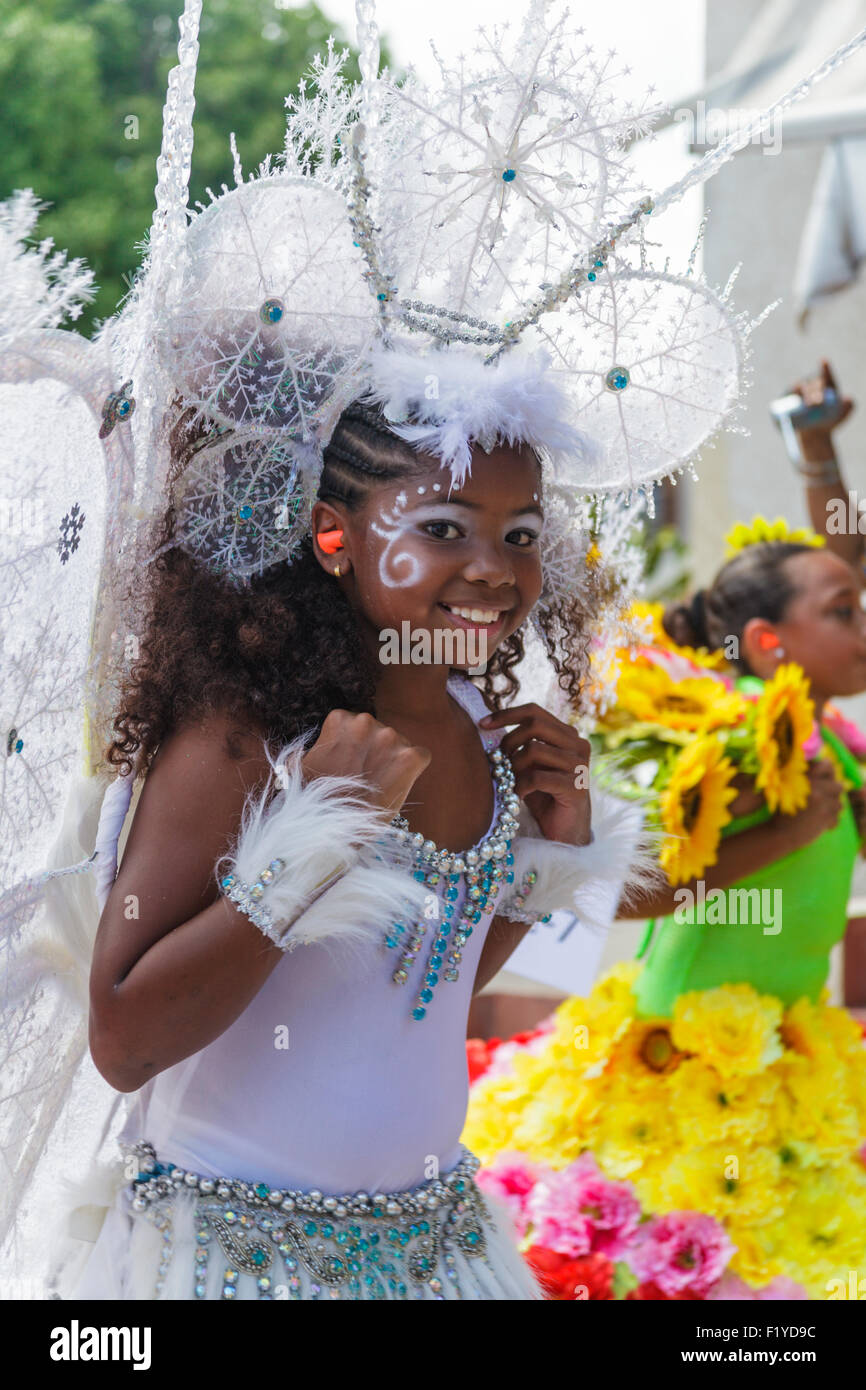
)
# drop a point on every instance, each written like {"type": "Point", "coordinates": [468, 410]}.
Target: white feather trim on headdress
{"type": "Point", "coordinates": [445, 401]}
{"type": "Point", "coordinates": [336, 882]}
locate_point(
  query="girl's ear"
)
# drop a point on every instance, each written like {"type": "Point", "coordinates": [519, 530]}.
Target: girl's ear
{"type": "Point", "coordinates": [761, 647]}
{"type": "Point", "coordinates": [329, 531]}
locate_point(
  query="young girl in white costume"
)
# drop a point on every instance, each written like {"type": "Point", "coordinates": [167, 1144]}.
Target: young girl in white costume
{"type": "Point", "coordinates": [359, 390]}
{"type": "Point", "coordinates": [312, 1069]}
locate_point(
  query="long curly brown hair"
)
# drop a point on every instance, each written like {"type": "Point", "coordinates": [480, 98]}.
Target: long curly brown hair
{"type": "Point", "coordinates": [282, 652]}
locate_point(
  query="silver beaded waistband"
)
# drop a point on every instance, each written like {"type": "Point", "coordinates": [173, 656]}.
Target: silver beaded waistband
{"type": "Point", "coordinates": [359, 1245]}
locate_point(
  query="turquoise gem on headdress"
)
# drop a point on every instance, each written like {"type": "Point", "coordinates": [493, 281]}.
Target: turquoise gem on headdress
{"type": "Point", "coordinates": [419, 1013]}
{"type": "Point", "coordinates": [591, 275]}
{"type": "Point", "coordinates": [245, 512]}
{"type": "Point", "coordinates": [14, 744]}
{"type": "Point", "coordinates": [509, 175]}
{"type": "Point", "coordinates": [272, 311]}
{"type": "Point", "coordinates": [617, 379]}
{"type": "Point", "coordinates": [117, 406]}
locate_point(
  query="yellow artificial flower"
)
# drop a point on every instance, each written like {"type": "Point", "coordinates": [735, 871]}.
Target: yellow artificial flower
{"type": "Point", "coordinates": [631, 1132]}
{"type": "Point", "coordinates": [817, 1030]}
{"type": "Point", "coordinates": [733, 1028]}
{"type": "Point", "coordinates": [694, 809]}
{"type": "Point", "coordinates": [757, 1256]}
{"type": "Point", "coordinates": [784, 716]}
{"type": "Point", "coordinates": [741, 1182]}
{"type": "Point", "coordinates": [646, 1050]}
{"type": "Point", "coordinates": [694, 704]}
{"type": "Point", "coordinates": [709, 1108]}
{"type": "Point", "coordinates": [650, 616]}
{"type": "Point", "coordinates": [824, 1231]}
{"type": "Point", "coordinates": [814, 1105]}
{"type": "Point", "coordinates": [760, 530]}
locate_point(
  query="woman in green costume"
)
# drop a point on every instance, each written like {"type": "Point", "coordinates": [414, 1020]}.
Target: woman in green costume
{"type": "Point", "coordinates": [711, 1075]}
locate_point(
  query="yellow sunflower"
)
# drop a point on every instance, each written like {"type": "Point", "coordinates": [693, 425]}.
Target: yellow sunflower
{"type": "Point", "coordinates": [696, 703]}
{"type": "Point", "coordinates": [784, 717]}
{"type": "Point", "coordinates": [694, 809]}
{"type": "Point", "coordinates": [760, 530]}
{"type": "Point", "coordinates": [646, 1050]}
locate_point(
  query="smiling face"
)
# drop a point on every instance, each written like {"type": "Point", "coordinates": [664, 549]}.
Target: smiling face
{"type": "Point", "coordinates": [439, 557]}
{"type": "Point", "coordinates": [823, 627]}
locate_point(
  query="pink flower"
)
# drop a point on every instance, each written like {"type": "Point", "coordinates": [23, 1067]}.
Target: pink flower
{"type": "Point", "coordinates": [814, 743]}
{"type": "Point", "coordinates": [683, 1250]}
{"type": "Point", "coordinates": [510, 1178]}
{"type": "Point", "coordinates": [580, 1212]}
{"type": "Point", "coordinates": [853, 738]}
{"type": "Point", "coordinates": [731, 1288]}
{"type": "Point", "coordinates": [680, 667]}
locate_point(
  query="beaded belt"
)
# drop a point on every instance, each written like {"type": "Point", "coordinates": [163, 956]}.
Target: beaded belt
{"type": "Point", "coordinates": [394, 1245]}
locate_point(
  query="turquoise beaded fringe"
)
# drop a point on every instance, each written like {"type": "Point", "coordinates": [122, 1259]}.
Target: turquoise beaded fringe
{"type": "Point", "coordinates": [301, 1245]}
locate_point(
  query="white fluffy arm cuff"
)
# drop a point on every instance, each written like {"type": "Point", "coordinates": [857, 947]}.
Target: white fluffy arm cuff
{"type": "Point", "coordinates": [311, 865]}
{"type": "Point", "coordinates": [551, 876]}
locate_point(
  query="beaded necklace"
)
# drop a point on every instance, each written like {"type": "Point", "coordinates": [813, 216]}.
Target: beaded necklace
{"type": "Point", "coordinates": [485, 868]}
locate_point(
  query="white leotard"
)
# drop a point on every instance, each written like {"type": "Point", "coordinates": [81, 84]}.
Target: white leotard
{"type": "Point", "coordinates": [363, 1097]}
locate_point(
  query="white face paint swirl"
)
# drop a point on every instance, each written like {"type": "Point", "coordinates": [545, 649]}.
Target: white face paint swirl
{"type": "Point", "coordinates": [397, 568]}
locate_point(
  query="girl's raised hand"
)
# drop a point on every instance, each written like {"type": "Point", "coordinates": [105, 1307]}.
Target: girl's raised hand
{"type": "Point", "coordinates": [822, 810]}
{"type": "Point", "coordinates": [551, 766]}
{"type": "Point", "coordinates": [357, 745]}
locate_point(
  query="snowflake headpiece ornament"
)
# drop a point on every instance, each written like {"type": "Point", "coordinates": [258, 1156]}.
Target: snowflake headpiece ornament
{"type": "Point", "coordinates": [468, 255]}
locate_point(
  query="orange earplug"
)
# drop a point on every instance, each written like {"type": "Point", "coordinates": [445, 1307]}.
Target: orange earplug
{"type": "Point", "coordinates": [768, 640]}
{"type": "Point", "coordinates": [330, 541]}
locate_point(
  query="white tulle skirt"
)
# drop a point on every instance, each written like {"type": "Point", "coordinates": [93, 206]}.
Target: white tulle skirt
{"type": "Point", "coordinates": [186, 1244]}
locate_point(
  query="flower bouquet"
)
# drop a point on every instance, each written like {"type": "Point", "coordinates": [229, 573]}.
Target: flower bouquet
{"type": "Point", "coordinates": [679, 733]}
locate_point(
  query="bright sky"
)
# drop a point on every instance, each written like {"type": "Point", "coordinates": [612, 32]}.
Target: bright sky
{"type": "Point", "coordinates": [661, 40]}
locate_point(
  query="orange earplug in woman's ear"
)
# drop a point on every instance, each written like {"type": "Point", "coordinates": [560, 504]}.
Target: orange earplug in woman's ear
{"type": "Point", "coordinates": [330, 541]}
{"type": "Point", "coordinates": [768, 640]}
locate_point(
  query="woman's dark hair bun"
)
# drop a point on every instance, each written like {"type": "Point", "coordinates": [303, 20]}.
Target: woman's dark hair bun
{"type": "Point", "coordinates": [686, 623]}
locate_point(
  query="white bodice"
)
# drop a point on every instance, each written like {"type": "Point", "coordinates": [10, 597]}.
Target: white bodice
{"type": "Point", "coordinates": [326, 1080]}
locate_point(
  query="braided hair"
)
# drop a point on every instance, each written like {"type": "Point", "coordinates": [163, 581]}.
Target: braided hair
{"type": "Point", "coordinates": [282, 652]}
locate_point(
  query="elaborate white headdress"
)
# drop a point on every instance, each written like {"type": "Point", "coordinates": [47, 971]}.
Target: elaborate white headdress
{"type": "Point", "coordinates": [468, 255]}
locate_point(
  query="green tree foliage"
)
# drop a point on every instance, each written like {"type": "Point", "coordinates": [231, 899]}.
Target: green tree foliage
{"type": "Point", "coordinates": [82, 86]}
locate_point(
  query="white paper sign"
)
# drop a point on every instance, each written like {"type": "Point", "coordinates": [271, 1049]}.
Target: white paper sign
{"type": "Point", "coordinates": [563, 953]}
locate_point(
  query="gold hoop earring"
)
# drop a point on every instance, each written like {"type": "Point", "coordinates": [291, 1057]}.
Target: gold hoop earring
{"type": "Point", "coordinates": [337, 572]}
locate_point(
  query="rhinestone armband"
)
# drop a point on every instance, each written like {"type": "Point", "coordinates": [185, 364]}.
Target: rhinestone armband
{"type": "Point", "coordinates": [515, 908]}
{"type": "Point", "coordinates": [249, 899]}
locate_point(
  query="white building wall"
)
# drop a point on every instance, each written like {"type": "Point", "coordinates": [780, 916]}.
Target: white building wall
{"type": "Point", "coordinates": [758, 204]}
